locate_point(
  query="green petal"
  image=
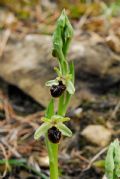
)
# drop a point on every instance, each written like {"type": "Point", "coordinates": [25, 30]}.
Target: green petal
{"type": "Point", "coordinates": [56, 117]}
{"type": "Point", "coordinates": [59, 118]}
{"type": "Point", "coordinates": [64, 119]}
{"type": "Point", "coordinates": [51, 82]}
{"type": "Point", "coordinates": [64, 129]}
{"type": "Point", "coordinates": [70, 87]}
{"type": "Point", "coordinates": [41, 130]}
{"type": "Point", "coordinates": [45, 119]}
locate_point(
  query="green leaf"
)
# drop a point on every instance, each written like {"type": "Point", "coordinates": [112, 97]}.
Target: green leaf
{"type": "Point", "coordinates": [16, 162]}
{"type": "Point", "coordinates": [117, 158]}
{"type": "Point", "coordinates": [41, 130]}
{"type": "Point", "coordinates": [64, 129]}
{"type": "Point", "coordinates": [51, 82]}
{"type": "Point", "coordinates": [109, 162]}
{"type": "Point", "coordinates": [62, 37]}
{"type": "Point", "coordinates": [99, 164]}
{"type": "Point", "coordinates": [69, 30]}
{"type": "Point", "coordinates": [58, 34]}
{"type": "Point", "coordinates": [68, 34]}
{"type": "Point", "coordinates": [62, 20]}
{"type": "Point", "coordinates": [72, 71]}
{"type": "Point", "coordinates": [70, 87]}
{"type": "Point", "coordinates": [50, 109]}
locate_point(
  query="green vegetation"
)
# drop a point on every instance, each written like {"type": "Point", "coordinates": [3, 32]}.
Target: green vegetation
{"type": "Point", "coordinates": [112, 162]}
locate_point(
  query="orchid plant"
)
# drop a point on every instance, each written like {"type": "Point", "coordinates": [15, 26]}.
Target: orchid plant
{"type": "Point", "coordinates": [62, 87]}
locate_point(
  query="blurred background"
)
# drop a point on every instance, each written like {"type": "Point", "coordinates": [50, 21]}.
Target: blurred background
{"type": "Point", "coordinates": [26, 63]}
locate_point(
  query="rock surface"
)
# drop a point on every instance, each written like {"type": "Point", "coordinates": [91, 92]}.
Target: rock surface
{"type": "Point", "coordinates": [27, 63]}
{"type": "Point", "coordinates": [97, 134]}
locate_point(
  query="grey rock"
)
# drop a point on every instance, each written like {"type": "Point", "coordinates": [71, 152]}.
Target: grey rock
{"type": "Point", "coordinates": [97, 134]}
{"type": "Point", "coordinates": [28, 64]}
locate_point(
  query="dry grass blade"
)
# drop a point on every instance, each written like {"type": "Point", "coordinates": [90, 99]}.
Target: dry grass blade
{"type": "Point", "coordinates": [96, 157]}
{"type": "Point", "coordinates": [7, 167]}
{"type": "Point", "coordinates": [117, 107]}
{"type": "Point", "coordinates": [11, 149]}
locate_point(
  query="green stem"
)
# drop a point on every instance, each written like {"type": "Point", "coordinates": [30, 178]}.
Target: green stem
{"type": "Point", "coordinates": [53, 148]}
{"type": "Point", "coordinates": [54, 166]}
{"type": "Point", "coordinates": [63, 63]}
{"type": "Point", "coordinates": [66, 46]}
{"type": "Point", "coordinates": [67, 100]}
{"type": "Point", "coordinates": [53, 158]}
{"type": "Point", "coordinates": [63, 104]}
{"type": "Point", "coordinates": [60, 105]}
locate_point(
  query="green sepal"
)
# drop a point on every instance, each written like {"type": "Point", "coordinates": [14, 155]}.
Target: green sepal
{"type": "Point", "coordinates": [64, 129]}
{"type": "Point", "coordinates": [70, 87]}
{"type": "Point", "coordinates": [41, 130]}
{"type": "Point", "coordinates": [52, 82]}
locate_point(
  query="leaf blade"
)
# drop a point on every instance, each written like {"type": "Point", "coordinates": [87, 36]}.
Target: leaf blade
{"type": "Point", "coordinates": [109, 162]}
{"type": "Point", "coordinates": [72, 71]}
{"type": "Point", "coordinates": [117, 158]}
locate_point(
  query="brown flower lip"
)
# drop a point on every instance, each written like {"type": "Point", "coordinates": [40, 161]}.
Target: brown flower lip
{"type": "Point", "coordinates": [57, 90]}
{"type": "Point", "coordinates": [54, 135]}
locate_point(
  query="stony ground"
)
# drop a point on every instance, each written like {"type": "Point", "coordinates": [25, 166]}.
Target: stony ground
{"type": "Point", "coordinates": [26, 63]}
{"type": "Point", "coordinates": [79, 156]}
